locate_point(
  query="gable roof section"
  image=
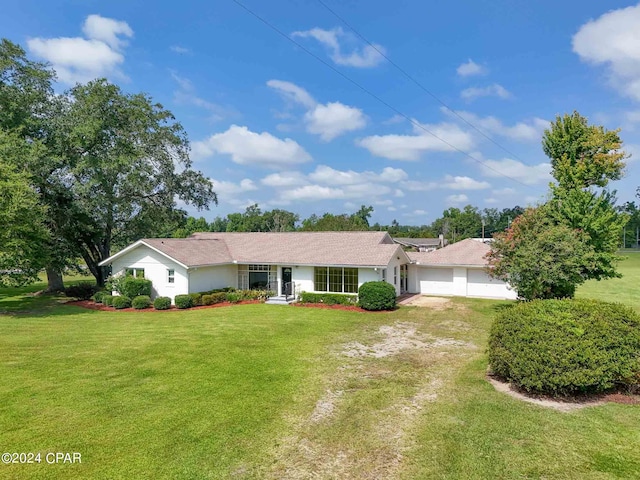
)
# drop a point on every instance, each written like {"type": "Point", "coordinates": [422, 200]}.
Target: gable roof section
{"type": "Point", "coordinates": [373, 249]}
{"type": "Point", "coordinates": [469, 252]}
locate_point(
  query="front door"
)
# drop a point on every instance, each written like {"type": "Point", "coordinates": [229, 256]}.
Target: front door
{"type": "Point", "coordinates": [286, 280]}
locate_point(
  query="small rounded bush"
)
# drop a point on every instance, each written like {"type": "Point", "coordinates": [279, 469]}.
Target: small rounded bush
{"type": "Point", "coordinates": [134, 287]}
{"type": "Point", "coordinates": [214, 298]}
{"type": "Point", "coordinates": [377, 296]}
{"type": "Point", "coordinates": [196, 299]}
{"type": "Point", "coordinates": [107, 300]}
{"type": "Point", "coordinates": [141, 302]}
{"type": "Point", "coordinates": [561, 347]}
{"type": "Point", "coordinates": [183, 301]}
{"type": "Point", "coordinates": [162, 303]}
{"type": "Point", "coordinates": [97, 297]}
{"type": "Point", "coordinates": [233, 297]}
{"type": "Point", "coordinates": [121, 301]}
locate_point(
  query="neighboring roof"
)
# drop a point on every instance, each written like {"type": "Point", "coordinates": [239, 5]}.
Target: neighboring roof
{"type": "Point", "coordinates": [418, 242]}
{"type": "Point", "coordinates": [469, 252]}
{"type": "Point", "coordinates": [373, 249]}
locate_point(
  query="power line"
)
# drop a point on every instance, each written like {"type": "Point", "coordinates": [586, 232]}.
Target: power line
{"type": "Point", "coordinates": [370, 93]}
{"type": "Point", "coordinates": [416, 82]}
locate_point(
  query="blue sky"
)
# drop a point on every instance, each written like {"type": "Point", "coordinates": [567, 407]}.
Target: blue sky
{"type": "Point", "coordinates": [271, 124]}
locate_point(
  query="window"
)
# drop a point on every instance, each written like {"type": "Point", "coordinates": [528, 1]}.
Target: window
{"type": "Point", "coordinates": [384, 274]}
{"type": "Point", "coordinates": [351, 280]}
{"type": "Point", "coordinates": [336, 279]}
{"type": "Point", "coordinates": [135, 272]}
{"type": "Point", "coordinates": [256, 277]}
{"type": "Point", "coordinates": [395, 275]}
{"type": "Point", "coordinates": [320, 278]}
{"type": "Point", "coordinates": [171, 275]}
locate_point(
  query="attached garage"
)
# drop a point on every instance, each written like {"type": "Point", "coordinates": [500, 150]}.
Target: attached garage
{"type": "Point", "coordinates": [456, 270]}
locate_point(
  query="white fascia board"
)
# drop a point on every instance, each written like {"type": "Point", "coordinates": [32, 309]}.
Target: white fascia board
{"type": "Point", "coordinates": [135, 245]}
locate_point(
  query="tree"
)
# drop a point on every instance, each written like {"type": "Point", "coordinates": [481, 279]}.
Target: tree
{"type": "Point", "coordinates": [122, 161]}
{"type": "Point", "coordinates": [582, 155]}
{"type": "Point", "coordinates": [539, 257]}
{"type": "Point", "coordinates": [22, 217]}
{"type": "Point", "coordinates": [584, 159]}
{"type": "Point", "coordinates": [27, 101]}
{"type": "Point", "coordinates": [344, 222]}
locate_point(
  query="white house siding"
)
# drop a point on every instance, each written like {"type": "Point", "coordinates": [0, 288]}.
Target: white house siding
{"type": "Point", "coordinates": [155, 269]}
{"type": "Point", "coordinates": [480, 284]}
{"type": "Point", "coordinates": [303, 277]}
{"type": "Point", "coordinates": [202, 279]}
{"type": "Point", "coordinates": [395, 262]}
{"type": "Point", "coordinates": [369, 275]}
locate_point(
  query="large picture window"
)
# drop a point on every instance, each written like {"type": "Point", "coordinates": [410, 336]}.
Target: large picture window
{"type": "Point", "coordinates": [257, 277]}
{"type": "Point", "coordinates": [336, 279]}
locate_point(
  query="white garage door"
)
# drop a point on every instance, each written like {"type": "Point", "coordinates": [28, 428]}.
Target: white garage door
{"type": "Point", "coordinates": [479, 284]}
{"type": "Point", "coordinates": [435, 281]}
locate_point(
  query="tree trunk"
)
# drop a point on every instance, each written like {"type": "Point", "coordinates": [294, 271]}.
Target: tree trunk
{"type": "Point", "coordinates": [54, 280]}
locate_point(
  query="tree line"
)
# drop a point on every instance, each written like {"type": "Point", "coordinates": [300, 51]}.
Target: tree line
{"type": "Point", "coordinates": [455, 224]}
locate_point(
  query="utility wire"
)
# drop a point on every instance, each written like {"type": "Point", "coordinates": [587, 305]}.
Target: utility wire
{"type": "Point", "coordinates": [371, 94]}
{"type": "Point", "coordinates": [416, 82]}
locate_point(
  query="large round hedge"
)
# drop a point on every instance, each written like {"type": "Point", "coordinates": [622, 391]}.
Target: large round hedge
{"type": "Point", "coordinates": [377, 296]}
{"type": "Point", "coordinates": [562, 347]}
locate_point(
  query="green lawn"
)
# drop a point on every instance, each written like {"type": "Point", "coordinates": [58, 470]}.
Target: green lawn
{"type": "Point", "coordinates": [625, 289]}
{"type": "Point", "coordinates": [259, 391]}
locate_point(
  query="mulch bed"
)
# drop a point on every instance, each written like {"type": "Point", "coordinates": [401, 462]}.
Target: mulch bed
{"type": "Point", "coordinates": [91, 305]}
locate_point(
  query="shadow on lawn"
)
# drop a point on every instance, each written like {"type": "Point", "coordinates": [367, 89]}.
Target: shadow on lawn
{"type": "Point", "coordinates": [20, 303]}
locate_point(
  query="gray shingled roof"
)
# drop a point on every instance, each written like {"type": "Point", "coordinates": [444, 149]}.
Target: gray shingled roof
{"type": "Point", "coordinates": [298, 248]}
{"type": "Point", "coordinates": [416, 242]}
{"type": "Point", "coordinates": [466, 252]}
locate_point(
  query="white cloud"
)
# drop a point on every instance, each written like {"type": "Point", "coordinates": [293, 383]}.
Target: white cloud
{"type": "Point", "coordinates": [494, 90]}
{"type": "Point", "coordinates": [334, 119]}
{"type": "Point", "coordinates": [327, 175]}
{"type": "Point", "coordinates": [107, 30]}
{"type": "Point", "coordinates": [449, 182]}
{"type": "Point", "coordinates": [471, 68]}
{"type": "Point", "coordinates": [326, 120]}
{"type": "Point", "coordinates": [457, 199]}
{"type": "Point", "coordinates": [398, 193]}
{"type": "Point", "coordinates": [365, 57]}
{"type": "Point", "coordinates": [528, 174]}
{"type": "Point", "coordinates": [77, 59]}
{"type": "Point", "coordinates": [180, 50]}
{"type": "Point", "coordinates": [251, 148]}
{"type": "Point", "coordinates": [393, 120]}
{"type": "Point", "coordinates": [284, 179]}
{"type": "Point", "coordinates": [186, 95]}
{"type": "Point", "coordinates": [411, 147]}
{"type": "Point", "coordinates": [293, 92]}
{"type": "Point", "coordinates": [490, 201]}
{"type": "Point", "coordinates": [525, 131]}
{"type": "Point", "coordinates": [223, 188]}
{"type": "Point", "coordinates": [613, 40]}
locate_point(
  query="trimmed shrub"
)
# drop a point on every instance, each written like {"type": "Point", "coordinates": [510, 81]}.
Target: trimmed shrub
{"type": "Point", "coordinates": [214, 298]}
{"type": "Point", "coordinates": [97, 297]}
{"type": "Point", "coordinates": [328, 298]}
{"type": "Point", "coordinates": [561, 347]}
{"type": "Point", "coordinates": [162, 303]}
{"type": "Point", "coordinates": [183, 301]}
{"type": "Point", "coordinates": [141, 302]}
{"type": "Point", "coordinates": [233, 297]}
{"type": "Point", "coordinates": [107, 300]}
{"type": "Point", "coordinates": [377, 296]}
{"type": "Point", "coordinates": [134, 287]}
{"type": "Point", "coordinates": [121, 301]}
{"type": "Point", "coordinates": [81, 291]}
{"type": "Point", "coordinates": [196, 299]}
